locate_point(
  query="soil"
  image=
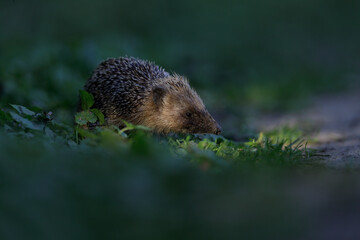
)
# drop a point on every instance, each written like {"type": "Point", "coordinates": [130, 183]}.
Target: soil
{"type": "Point", "coordinates": [332, 125]}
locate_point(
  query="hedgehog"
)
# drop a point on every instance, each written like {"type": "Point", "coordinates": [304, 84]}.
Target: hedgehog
{"type": "Point", "coordinates": [142, 93]}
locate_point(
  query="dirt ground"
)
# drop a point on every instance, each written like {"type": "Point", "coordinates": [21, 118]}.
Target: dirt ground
{"type": "Point", "coordinates": [332, 125]}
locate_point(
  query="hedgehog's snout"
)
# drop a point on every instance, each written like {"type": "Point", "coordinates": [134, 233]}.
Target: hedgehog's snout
{"type": "Point", "coordinates": [214, 127]}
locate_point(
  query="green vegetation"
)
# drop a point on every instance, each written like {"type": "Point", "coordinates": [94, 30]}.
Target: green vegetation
{"type": "Point", "coordinates": [71, 177]}
{"type": "Point", "coordinates": [60, 179]}
{"type": "Point", "coordinates": [204, 149]}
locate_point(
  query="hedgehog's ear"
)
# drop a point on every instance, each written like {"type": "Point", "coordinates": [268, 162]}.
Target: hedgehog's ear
{"type": "Point", "coordinates": [158, 96]}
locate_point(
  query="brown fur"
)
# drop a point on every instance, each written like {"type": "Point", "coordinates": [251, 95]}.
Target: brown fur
{"type": "Point", "coordinates": [142, 93]}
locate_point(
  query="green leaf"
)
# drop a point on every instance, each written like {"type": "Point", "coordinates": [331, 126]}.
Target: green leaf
{"type": "Point", "coordinates": [85, 133]}
{"type": "Point", "coordinates": [128, 125]}
{"type": "Point", "coordinates": [203, 144]}
{"type": "Point", "coordinates": [84, 117]}
{"type": "Point", "coordinates": [99, 115]}
{"type": "Point", "coordinates": [22, 110]}
{"type": "Point", "coordinates": [143, 128]}
{"type": "Point", "coordinates": [26, 122]}
{"type": "Point", "coordinates": [87, 100]}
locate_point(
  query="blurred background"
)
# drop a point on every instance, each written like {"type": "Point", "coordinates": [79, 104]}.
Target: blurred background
{"type": "Point", "coordinates": [245, 58]}
{"type": "Point", "coordinates": [242, 56]}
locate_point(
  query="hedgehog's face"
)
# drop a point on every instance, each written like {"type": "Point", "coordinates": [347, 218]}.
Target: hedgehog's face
{"type": "Point", "coordinates": [198, 120]}
{"type": "Point", "coordinates": [184, 111]}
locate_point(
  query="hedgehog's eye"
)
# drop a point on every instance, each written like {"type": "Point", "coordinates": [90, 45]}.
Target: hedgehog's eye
{"type": "Point", "coordinates": [188, 114]}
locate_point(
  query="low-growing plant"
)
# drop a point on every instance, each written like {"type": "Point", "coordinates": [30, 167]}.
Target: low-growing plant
{"type": "Point", "coordinates": [88, 115]}
{"type": "Point", "coordinates": [207, 150]}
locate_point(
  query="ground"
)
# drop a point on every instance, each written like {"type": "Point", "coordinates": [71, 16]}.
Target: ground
{"type": "Point", "coordinates": [332, 125]}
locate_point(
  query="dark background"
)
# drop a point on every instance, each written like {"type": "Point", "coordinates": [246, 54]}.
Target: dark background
{"type": "Point", "coordinates": [267, 55]}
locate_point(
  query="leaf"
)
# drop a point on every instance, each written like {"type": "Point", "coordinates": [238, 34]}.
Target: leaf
{"type": "Point", "coordinates": [141, 127]}
{"type": "Point", "coordinates": [128, 125]}
{"type": "Point", "coordinates": [87, 100]}
{"type": "Point", "coordinates": [22, 110]}
{"type": "Point", "coordinates": [80, 118]}
{"type": "Point", "coordinates": [203, 144]}
{"type": "Point", "coordinates": [26, 122]}
{"type": "Point", "coordinates": [99, 115]}
{"type": "Point", "coordinates": [49, 133]}
{"type": "Point", "coordinates": [7, 128]}
{"type": "Point", "coordinates": [84, 117]}
{"type": "Point", "coordinates": [85, 133]}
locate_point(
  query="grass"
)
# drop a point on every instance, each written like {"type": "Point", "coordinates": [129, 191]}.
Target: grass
{"type": "Point", "coordinates": [205, 149]}
{"type": "Point", "coordinates": [140, 185]}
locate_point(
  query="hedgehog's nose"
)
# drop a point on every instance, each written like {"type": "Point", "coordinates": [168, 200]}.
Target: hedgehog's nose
{"type": "Point", "coordinates": [218, 129]}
